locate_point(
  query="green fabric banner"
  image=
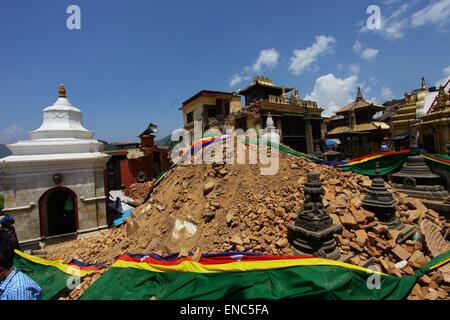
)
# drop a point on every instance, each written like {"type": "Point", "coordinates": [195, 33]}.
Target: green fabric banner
{"type": "Point", "coordinates": [322, 282]}
{"type": "Point", "coordinates": [388, 164]}
{"type": "Point", "coordinates": [52, 281]}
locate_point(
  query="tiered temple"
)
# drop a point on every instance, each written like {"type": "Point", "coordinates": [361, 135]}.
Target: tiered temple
{"type": "Point", "coordinates": [404, 133]}
{"type": "Point", "coordinates": [354, 126]}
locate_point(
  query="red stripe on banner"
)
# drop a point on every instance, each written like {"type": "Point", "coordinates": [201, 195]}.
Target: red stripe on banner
{"type": "Point", "coordinates": [438, 159]}
{"type": "Point", "coordinates": [210, 260]}
{"type": "Point", "coordinates": [389, 153]}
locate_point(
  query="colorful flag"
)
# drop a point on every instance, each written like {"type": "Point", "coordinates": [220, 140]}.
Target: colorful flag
{"type": "Point", "coordinates": [243, 276]}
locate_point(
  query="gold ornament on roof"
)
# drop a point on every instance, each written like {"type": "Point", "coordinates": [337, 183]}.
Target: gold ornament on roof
{"type": "Point", "coordinates": [62, 91]}
{"type": "Point", "coordinates": [424, 84]}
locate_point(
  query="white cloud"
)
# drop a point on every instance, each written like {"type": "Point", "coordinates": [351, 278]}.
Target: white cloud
{"type": "Point", "coordinates": [390, 2]}
{"type": "Point", "coordinates": [366, 53]}
{"type": "Point", "coordinates": [357, 47]}
{"type": "Point", "coordinates": [11, 134]}
{"type": "Point", "coordinates": [354, 68]}
{"type": "Point", "coordinates": [437, 12]}
{"type": "Point", "coordinates": [364, 87]}
{"type": "Point", "coordinates": [395, 25]}
{"type": "Point", "coordinates": [446, 73]}
{"type": "Point", "coordinates": [267, 58]}
{"type": "Point", "coordinates": [395, 30]}
{"type": "Point", "coordinates": [332, 93]}
{"type": "Point", "coordinates": [387, 94]}
{"type": "Point", "coordinates": [303, 58]}
{"type": "Point", "coordinates": [236, 79]}
{"type": "Point", "coordinates": [369, 53]}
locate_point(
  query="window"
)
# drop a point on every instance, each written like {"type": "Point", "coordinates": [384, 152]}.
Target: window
{"type": "Point", "coordinates": [219, 106]}
{"type": "Point", "coordinates": [211, 110]}
{"type": "Point", "coordinates": [227, 108]}
{"type": "Point", "coordinates": [190, 117]}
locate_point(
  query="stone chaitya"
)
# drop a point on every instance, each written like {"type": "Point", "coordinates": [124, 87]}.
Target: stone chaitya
{"type": "Point", "coordinates": [417, 180]}
{"type": "Point", "coordinates": [381, 202]}
{"type": "Point", "coordinates": [313, 230]}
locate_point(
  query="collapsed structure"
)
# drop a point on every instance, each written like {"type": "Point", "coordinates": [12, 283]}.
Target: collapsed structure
{"type": "Point", "coordinates": [227, 208]}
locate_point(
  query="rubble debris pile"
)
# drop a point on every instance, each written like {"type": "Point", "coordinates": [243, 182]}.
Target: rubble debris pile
{"type": "Point", "coordinates": [226, 208]}
{"type": "Point", "coordinates": [139, 191]}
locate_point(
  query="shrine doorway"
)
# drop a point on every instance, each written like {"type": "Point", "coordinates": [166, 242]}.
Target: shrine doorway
{"type": "Point", "coordinates": [58, 212]}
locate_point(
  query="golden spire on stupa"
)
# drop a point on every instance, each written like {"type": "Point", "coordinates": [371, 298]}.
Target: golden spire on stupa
{"type": "Point", "coordinates": [62, 91]}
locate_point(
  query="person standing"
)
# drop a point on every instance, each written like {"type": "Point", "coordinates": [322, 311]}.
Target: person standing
{"type": "Point", "coordinates": [15, 285]}
{"type": "Point", "coordinates": [7, 223]}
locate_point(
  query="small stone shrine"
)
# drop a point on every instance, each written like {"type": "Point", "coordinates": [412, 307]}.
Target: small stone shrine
{"type": "Point", "coordinates": [381, 202]}
{"type": "Point", "coordinates": [313, 230]}
{"type": "Point", "coordinates": [417, 180]}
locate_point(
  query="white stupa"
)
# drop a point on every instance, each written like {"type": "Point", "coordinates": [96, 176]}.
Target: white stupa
{"type": "Point", "coordinates": [54, 182]}
{"type": "Point", "coordinates": [270, 133]}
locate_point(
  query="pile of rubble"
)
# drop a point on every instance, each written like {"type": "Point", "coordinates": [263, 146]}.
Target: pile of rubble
{"type": "Point", "coordinates": [223, 208]}
{"type": "Point", "coordinates": [139, 191]}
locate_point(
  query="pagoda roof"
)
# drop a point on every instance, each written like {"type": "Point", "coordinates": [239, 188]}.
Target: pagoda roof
{"type": "Point", "coordinates": [360, 128]}
{"type": "Point", "coordinates": [265, 83]}
{"type": "Point", "coordinates": [359, 103]}
{"type": "Point", "coordinates": [151, 130]}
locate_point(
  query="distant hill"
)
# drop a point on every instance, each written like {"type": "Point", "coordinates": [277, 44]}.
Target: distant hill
{"type": "Point", "coordinates": [108, 146]}
{"type": "Point", "coordinates": [166, 141]}
{"type": "Point", "coordinates": [4, 151]}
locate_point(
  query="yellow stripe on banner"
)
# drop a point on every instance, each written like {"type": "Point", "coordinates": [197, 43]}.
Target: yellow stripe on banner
{"type": "Point", "coordinates": [435, 160]}
{"type": "Point", "coordinates": [71, 270]}
{"type": "Point", "coordinates": [360, 161]}
{"type": "Point", "coordinates": [238, 266]}
{"type": "Point", "coordinates": [440, 264]}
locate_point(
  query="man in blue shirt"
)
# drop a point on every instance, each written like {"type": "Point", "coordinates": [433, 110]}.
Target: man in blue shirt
{"type": "Point", "coordinates": [15, 285]}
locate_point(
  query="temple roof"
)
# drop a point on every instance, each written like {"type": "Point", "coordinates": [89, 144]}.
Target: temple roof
{"type": "Point", "coordinates": [151, 130]}
{"type": "Point", "coordinates": [359, 103]}
{"type": "Point", "coordinates": [265, 83]}
{"type": "Point", "coordinates": [359, 128]}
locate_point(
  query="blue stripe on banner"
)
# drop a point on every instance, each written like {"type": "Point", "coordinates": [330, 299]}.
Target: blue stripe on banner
{"type": "Point", "coordinates": [206, 255]}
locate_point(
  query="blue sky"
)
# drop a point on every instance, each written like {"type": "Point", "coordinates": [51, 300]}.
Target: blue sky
{"type": "Point", "coordinates": [135, 62]}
